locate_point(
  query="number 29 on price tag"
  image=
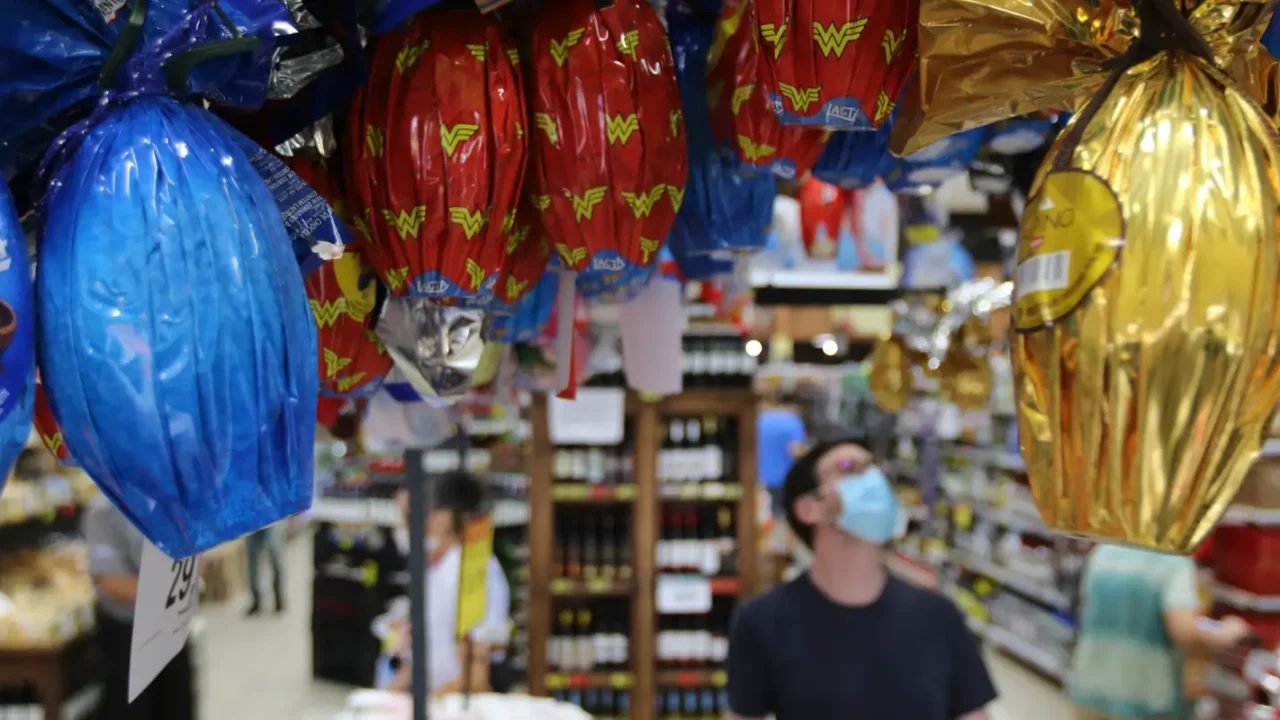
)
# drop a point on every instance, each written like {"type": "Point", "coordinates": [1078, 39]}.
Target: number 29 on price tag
{"type": "Point", "coordinates": [168, 591]}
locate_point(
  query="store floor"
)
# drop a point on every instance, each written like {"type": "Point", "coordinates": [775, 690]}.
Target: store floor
{"type": "Point", "coordinates": [260, 668]}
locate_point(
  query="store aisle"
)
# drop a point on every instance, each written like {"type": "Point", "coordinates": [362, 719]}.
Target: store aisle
{"type": "Point", "coordinates": [260, 668]}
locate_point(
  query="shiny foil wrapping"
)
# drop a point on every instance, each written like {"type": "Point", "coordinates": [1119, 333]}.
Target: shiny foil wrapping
{"type": "Point", "coordinates": [1145, 358]}
{"type": "Point", "coordinates": [437, 144]}
{"type": "Point", "coordinates": [890, 379]}
{"type": "Point", "coordinates": [436, 348]}
{"type": "Point", "coordinates": [609, 161]}
{"type": "Point", "coordinates": [987, 60]}
{"type": "Point", "coordinates": [742, 117]}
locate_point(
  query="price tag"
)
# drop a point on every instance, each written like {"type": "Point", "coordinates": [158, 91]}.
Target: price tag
{"type": "Point", "coordinates": [599, 586]}
{"type": "Point", "coordinates": [626, 491]}
{"type": "Point", "coordinates": [556, 681]}
{"type": "Point", "coordinates": [719, 678]}
{"type": "Point", "coordinates": [689, 492]}
{"type": "Point", "coordinates": [622, 680]}
{"type": "Point", "coordinates": [683, 595]}
{"type": "Point", "coordinates": [596, 417]}
{"type": "Point", "coordinates": [570, 491]}
{"type": "Point", "coordinates": [168, 592]}
{"type": "Point", "coordinates": [732, 492]}
{"type": "Point", "coordinates": [561, 586]}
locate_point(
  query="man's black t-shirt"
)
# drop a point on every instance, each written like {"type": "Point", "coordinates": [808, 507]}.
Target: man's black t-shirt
{"type": "Point", "coordinates": [798, 655]}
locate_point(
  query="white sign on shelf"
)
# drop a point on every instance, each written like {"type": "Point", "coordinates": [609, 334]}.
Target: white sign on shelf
{"type": "Point", "coordinates": [596, 417]}
{"type": "Point", "coordinates": [168, 593]}
{"type": "Point", "coordinates": [683, 595]}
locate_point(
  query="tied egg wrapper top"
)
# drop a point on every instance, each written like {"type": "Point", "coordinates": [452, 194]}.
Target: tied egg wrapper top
{"type": "Point", "coordinates": [1145, 354]}
{"type": "Point", "coordinates": [176, 344]}
{"type": "Point", "coordinates": [742, 115]}
{"type": "Point", "coordinates": [839, 64]}
{"type": "Point", "coordinates": [437, 142]}
{"type": "Point", "coordinates": [609, 163]}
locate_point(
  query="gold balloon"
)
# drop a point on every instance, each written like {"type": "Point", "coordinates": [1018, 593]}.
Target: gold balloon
{"type": "Point", "coordinates": [1145, 358]}
{"type": "Point", "coordinates": [890, 377]}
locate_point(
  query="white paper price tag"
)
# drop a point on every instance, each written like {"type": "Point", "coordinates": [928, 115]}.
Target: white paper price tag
{"type": "Point", "coordinates": [597, 417]}
{"type": "Point", "coordinates": [168, 592]}
{"type": "Point", "coordinates": [683, 595]}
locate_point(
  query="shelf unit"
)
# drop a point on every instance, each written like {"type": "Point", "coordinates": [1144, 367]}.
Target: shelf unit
{"type": "Point", "coordinates": [643, 500]}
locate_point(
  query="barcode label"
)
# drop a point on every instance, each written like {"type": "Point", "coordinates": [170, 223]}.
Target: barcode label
{"type": "Point", "coordinates": [1050, 271]}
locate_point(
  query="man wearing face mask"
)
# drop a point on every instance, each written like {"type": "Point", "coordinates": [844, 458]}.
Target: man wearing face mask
{"type": "Point", "coordinates": [845, 641]}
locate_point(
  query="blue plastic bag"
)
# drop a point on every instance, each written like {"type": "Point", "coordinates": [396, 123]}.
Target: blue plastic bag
{"type": "Point", "coordinates": [177, 345]}
{"type": "Point", "coordinates": [723, 211]}
{"type": "Point", "coordinates": [53, 52]}
{"type": "Point", "coordinates": [1017, 136]}
{"type": "Point", "coordinates": [935, 163]}
{"type": "Point", "coordinates": [17, 338]}
{"type": "Point", "coordinates": [530, 314]}
{"type": "Point", "coordinates": [854, 159]}
{"type": "Point", "coordinates": [387, 14]}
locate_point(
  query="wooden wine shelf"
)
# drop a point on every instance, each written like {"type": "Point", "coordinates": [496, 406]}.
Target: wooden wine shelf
{"type": "Point", "coordinates": [644, 498]}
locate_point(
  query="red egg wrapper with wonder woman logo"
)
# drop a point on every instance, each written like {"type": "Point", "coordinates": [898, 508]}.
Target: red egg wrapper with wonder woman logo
{"type": "Point", "coordinates": [609, 155]}
{"type": "Point", "coordinates": [839, 64]}
{"type": "Point", "coordinates": [742, 116]}
{"type": "Point", "coordinates": [50, 431]}
{"type": "Point", "coordinates": [437, 144]}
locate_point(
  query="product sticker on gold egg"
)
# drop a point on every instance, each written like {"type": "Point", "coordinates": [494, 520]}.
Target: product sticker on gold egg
{"type": "Point", "coordinates": [1071, 234]}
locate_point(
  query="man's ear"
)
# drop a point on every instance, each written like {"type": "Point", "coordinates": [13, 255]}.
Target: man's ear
{"type": "Point", "coordinates": [809, 510]}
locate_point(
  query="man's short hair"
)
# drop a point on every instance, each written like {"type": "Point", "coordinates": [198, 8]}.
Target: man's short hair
{"type": "Point", "coordinates": [802, 479]}
{"type": "Point", "coordinates": [462, 494]}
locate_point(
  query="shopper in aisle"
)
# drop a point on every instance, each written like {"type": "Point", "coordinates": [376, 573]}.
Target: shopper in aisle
{"type": "Point", "coordinates": [115, 558]}
{"type": "Point", "coordinates": [845, 641]}
{"type": "Point", "coordinates": [456, 498]}
{"type": "Point", "coordinates": [780, 439]}
{"type": "Point", "coordinates": [271, 540]}
{"type": "Point", "coordinates": [1140, 616]}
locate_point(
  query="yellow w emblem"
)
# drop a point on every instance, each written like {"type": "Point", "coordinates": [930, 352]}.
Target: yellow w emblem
{"type": "Point", "coordinates": [327, 313]}
{"type": "Point", "coordinates": [362, 223]}
{"type": "Point", "coordinates": [560, 48]}
{"type": "Point", "coordinates": [884, 106]}
{"type": "Point", "coordinates": [376, 139]}
{"type": "Point", "coordinates": [642, 203]}
{"type": "Point", "coordinates": [740, 95]}
{"type": "Point", "coordinates": [517, 238]}
{"type": "Point", "coordinates": [647, 248]}
{"type": "Point", "coordinates": [508, 222]}
{"type": "Point", "coordinates": [407, 222]}
{"type": "Point", "coordinates": [514, 56]}
{"type": "Point", "coordinates": [547, 124]}
{"type": "Point", "coordinates": [832, 39]}
{"type": "Point", "coordinates": [409, 55]}
{"type": "Point", "coordinates": [540, 202]}
{"type": "Point", "coordinates": [397, 277]}
{"type": "Point", "coordinates": [53, 442]}
{"type": "Point", "coordinates": [475, 274]}
{"type": "Point", "coordinates": [333, 364]}
{"type": "Point", "coordinates": [451, 137]}
{"type": "Point", "coordinates": [753, 151]}
{"type": "Point", "coordinates": [677, 119]}
{"type": "Point", "coordinates": [471, 222]}
{"type": "Point", "coordinates": [620, 128]}
{"type": "Point", "coordinates": [676, 195]}
{"type": "Point", "coordinates": [627, 43]}
{"type": "Point", "coordinates": [775, 36]}
{"type": "Point", "coordinates": [478, 51]}
{"type": "Point", "coordinates": [801, 98]}
{"type": "Point", "coordinates": [571, 256]}
{"type": "Point", "coordinates": [346, 383]}
{"type": "Point", "coordinates": [515, 288]}
{"type": "Point", "coordinates": [892, 44]}
{"type": "Point", "coordinates": [585, 204]}
{"type": "Point", "coordinates": [519, 130]}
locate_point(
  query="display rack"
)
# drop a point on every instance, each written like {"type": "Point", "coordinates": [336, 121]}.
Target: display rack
{"type": "Point", "coordinates": [642, 499]}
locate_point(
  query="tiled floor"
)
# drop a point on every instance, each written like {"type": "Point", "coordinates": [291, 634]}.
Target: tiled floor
{"type": "Point", "coordinates": [260, 668]}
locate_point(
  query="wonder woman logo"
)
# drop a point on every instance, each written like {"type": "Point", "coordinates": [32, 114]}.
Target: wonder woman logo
{"type": "Point", "coordinates": [515, 288]}
{"type": "Point", "coordinates": [345, 384]}
{"type": "Point", "coordinates": [327, 313]}
{"type": "Point", "coordinates": [586, 204]}
{"type": "Point", "coordinates": [475, 273]}
{"type": "Point", "coordinates": [647, 248]}
{"type": "Point", "coordinates": [835, 39]}
{"type": "Point", "coordinates": [362, 224]}
{"type": "Point", "coordinates": [547, 124]}
{"type": "Point", "coordinates": [409, 56]}
{"type": "Point", "coordinates": [397, 277]}
{"type": "Point", "coordinates": [54, 443]}
{"type": "Point", "coordinates": [508, 222]}
{"type": "Point", "coordinates": [642, 203]}
{"type": "Point", "coordinates": [775, 36]}
{"type": "Point", "coordinates": [560, 48]}
{"type": "Point", "coordinates": [754, 151]}
{"type": "Point", "coordinates": [627, 43]}
{"type": "Point", "coordinates": [571, 256]}
{"type": "Point", "coordinates": [677, 119]}
{"type": "Point", "coordinates": [884, 106]}
{"type": "Point", "coordinates": [407, 222]}
{"type": "Point", "coordinates": [892, 44]}
{"type": "Point", "coordinates": [740, 95]}
{"type": "Point", "coordinates": [801, 98]}
{"type": "Point", "coordinates": [451, 137]}
{"type": "Point", "coordinates": [517, 238]}
{"type": "Point", "coordinates": [620, 128]}
{"type": "Point", "coordinates": [471, 222]}
{"type": "Point", "coordinates": [478, 51]}
{"type": "Point", "coordinates": [541, 202]}
{"type": "Point", "coordinates": [376, 139]}
{"type": "Point", "coordinates": [333, 363]}
{"type": "Point", "coordinates": [514, 56]}
{"type": "Point", "coordinates": [676, 195]}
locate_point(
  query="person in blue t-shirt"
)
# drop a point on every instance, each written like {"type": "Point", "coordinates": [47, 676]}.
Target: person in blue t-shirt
{"type": "Point", "coordinates": [780, 439]}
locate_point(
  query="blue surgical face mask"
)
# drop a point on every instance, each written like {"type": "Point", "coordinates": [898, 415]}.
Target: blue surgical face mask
{"type": "Point", "coordinates": [869, 506]}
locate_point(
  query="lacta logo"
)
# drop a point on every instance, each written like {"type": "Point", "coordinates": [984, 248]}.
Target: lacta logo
{"type": "Point", "coordinates": [614, 264]}
{"type": "Point", "coordinates": [849, 114]}
{"type": "Point", "coordinates": [430, 287]}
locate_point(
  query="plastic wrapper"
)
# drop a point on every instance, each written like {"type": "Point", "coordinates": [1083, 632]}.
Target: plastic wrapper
{"type": "Point", "coordinates": [608, 135]}
{"type": "Point", "coordinates": [723, 212]}
{"type": "Point", "coordinates": [742, 115]}
{"type": "Point", "coordinates": [17, 338]}
{"type": "Point", "coordinates": [437, 144]}
{"type": "Point", "coordinates": [1146, 305]}
{"type": "Point", "coordinates": [528, 252]}
{"type": "Point", "coordinates": [50, 431]}
{"type": "Point", "coordinates": [54, 52]}
{"type": "Point", "coordinates": [177, 348]}
{"type": "Point", "coordinates": [528, 318]}
{"type": "Point", "coordinates": [853, 160]}
{"type": "Point", "coordinates": [982, 61]}
{"type": "Point", "coordinates": [837, 63]}
{"type": "Point", "coordinates": [387, 14]}
{"type": "Point", "coordinates": [436, 349]}
{"type": "Point", "coordinates": [828, 221]}
{"type": "Point", "coordinates": [935, 164]}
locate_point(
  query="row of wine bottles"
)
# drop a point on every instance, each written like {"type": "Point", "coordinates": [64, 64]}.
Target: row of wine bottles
{"type": "Point", "coordinates": [603, 703]}
{"type": "Point", "coordinates": [697, 539]}
{"type": "Point", "coordinates": [716, 362]}
{"type": "Point", "coordinates": [20, 703]}
{"type": "Point", "coordinates": [692, 704]}
{"type": "Point", "coordinates": [695, 641]}
{"type": "Point", "coordinates": [594, 465]}
{"type": "Point", "coordinates": [594, 638]}
{"type": "Point", "coordinates": [592, 545]}
{"type": "Point", "coordinates": [698, 449]}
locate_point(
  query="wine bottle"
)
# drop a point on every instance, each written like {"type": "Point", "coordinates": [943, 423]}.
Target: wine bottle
{"type": "Point", "coordinates": [726, 541]}
{"type": "Point", "coordinates": [719, 650]}
{"type": "Point", "coordinates": [708, 543]}
{"type": "Point", "coordinates": [590, 548]}
{"type": "Point", "coordinates": [712, 452]}
{"type": "Point", "coordinates": [692, 457]}
{"type": "Point", "coordinates": [595, 471]}
{"type": "Point", "coordinates": [623, 549]}
{"type": "Point", "coordinates": [578, 473]}
{"type": "Point", "coordinates": [564, 646]}
{"type": "Point", "coordinates": [573, 537]}
{"type": "Point", "coordinates": [584, 646]}
{"type": "Point", "coordinates": [608, 546]}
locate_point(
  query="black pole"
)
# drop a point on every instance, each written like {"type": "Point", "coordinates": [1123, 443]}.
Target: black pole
{"type": "Point", "coordinates": [416, 478]}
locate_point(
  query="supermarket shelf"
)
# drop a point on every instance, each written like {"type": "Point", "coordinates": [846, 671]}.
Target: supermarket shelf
{"type": "Point", "coordinates": [582, 681]}
{"type": "Point", "coordinates": [363, 511]}
{"type": "Point", "coordinates": [1013, 581]}
{"type": "Point", "coordinates": [1017, 521]}
{"type": "Point", "coordinates": [692, 678]}
{"type": "Point", "coordinates": [587, 493]}
{"type": "Point", "coordinates": [1244, 600]}
{"type": "Point", "coordinates": [699, 491]}
{"type": "Point", "coordinates": [823, 286]}
{"type": "Point", "coordinates": [568, 587]}
{"type": "Point", "coordinates": [1038, 658]}
{"type": "Point", "coordinates": [995, 457]}
{"type": "Point", "coordinates": [1245, 515]}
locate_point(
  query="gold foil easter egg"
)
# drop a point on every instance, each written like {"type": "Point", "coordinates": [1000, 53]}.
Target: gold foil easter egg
{"type": "Point", "coordinates": [965, 379]}
{"type": "Point", "coordinates": [1146, 309]}
{"type": "Point", "coordinates": [890, 378]}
